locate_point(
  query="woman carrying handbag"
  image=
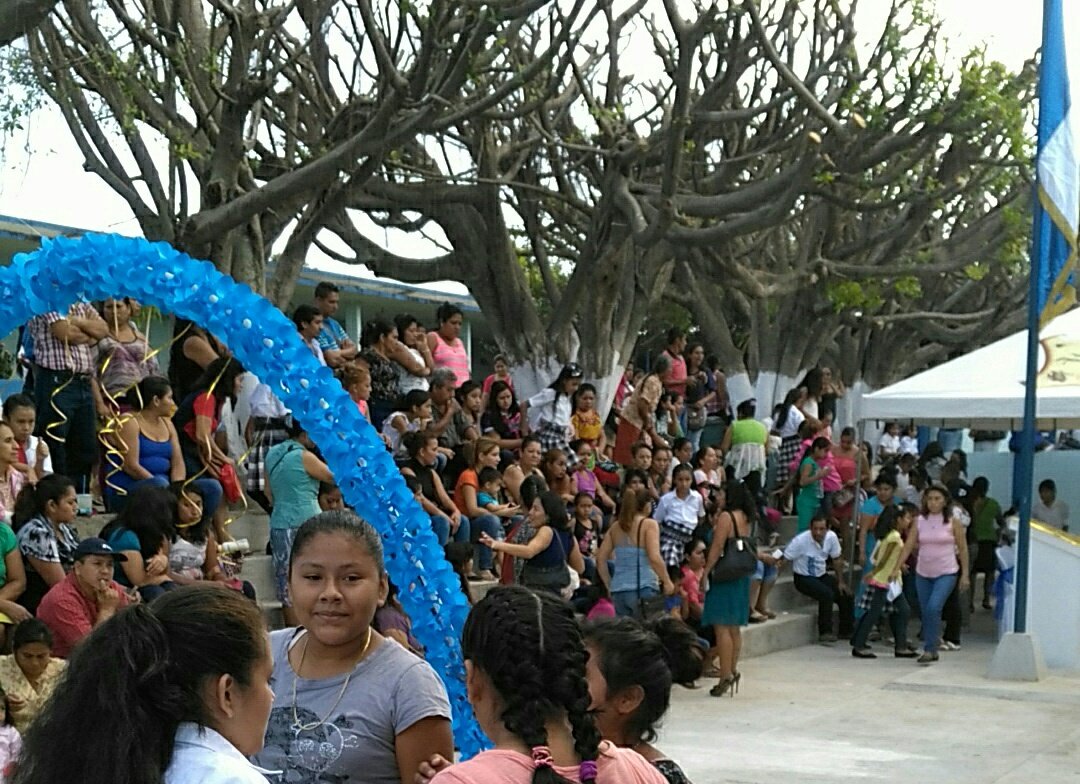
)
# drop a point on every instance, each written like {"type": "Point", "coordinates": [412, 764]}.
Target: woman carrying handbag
{"type": "Point", "coordinates": [633, 543]}
{"type": "Point", "coordinates": [731, 560]}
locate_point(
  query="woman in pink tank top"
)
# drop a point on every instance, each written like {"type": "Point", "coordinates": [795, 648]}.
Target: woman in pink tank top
{"type": "Point", "coordinates": [943, 557]}
{"type": "Point", "coordinates": [447, 349]}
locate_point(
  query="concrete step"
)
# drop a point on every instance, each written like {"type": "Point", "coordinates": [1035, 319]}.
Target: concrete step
{"type": "Point", "coordinates": [258, 569]}
{"type": "Point", "coordinates": [784, 598]}
{"type": "Point", "coordinates": [253, 525]}
{"type": "Point", "coordinates": [787, 630]}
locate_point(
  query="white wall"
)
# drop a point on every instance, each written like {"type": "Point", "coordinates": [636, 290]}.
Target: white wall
{"type": "Point", "coordinates": [1053, 588]}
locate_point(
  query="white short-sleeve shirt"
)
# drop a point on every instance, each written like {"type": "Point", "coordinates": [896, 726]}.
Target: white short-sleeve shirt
{"type": "Point", "coordinates": [807, 557]}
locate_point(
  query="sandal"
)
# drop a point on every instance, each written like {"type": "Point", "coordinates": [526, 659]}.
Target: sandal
{"type": "Point", "coordinates": [757, 618]}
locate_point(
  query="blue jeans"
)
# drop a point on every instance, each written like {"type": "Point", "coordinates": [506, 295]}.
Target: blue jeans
{"type": "Point", "coordinates": [626, 602]}
{"type": "Point", "coordinates": [116, 501]}
{"type": "Point", "coordinates": [933, 593]}
{"type": "Point", "coordinates": [441, 524]}
{"type": "Point", "coordinates": [150, 592]}
{"type": "Point", "coordinates": [71, 441]}
{"type": "Point", "coordinates": [490, 525]}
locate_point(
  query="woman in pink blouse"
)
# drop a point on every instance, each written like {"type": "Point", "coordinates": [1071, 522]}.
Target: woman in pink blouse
{"type": "Point", "coordinates": [943, 558]}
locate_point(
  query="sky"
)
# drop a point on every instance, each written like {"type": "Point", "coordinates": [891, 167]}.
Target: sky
{"type": "Point", "coordinates": [41, 175]}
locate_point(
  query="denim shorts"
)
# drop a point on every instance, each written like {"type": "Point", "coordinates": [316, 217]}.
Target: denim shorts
{"type": "Point", "coordinates": [281, 540]}
{"type": "Point", "coordinates": [764, 573]}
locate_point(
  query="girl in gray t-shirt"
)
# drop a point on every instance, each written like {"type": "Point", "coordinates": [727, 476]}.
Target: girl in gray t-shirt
{"type": "Point", "coordinates": [349, 705]}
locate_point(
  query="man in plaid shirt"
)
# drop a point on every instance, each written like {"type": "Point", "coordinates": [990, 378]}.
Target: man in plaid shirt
{"type": "Point", "coordinates": [63, 388]}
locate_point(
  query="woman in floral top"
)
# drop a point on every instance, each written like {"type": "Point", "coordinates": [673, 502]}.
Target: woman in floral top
{"type": "Point", "coordinates": [29, 674]}
{"type": "Point", "coordinates": [381, 346]}
{"type": "Point", "coordinates": [43, 516]}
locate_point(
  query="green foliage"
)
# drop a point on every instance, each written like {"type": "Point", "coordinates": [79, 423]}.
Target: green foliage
{"type": "Point", "coordinates": [20, 93]}
{"type": "Point", "coordinates": [535, 280]}
{"type": "Point", "coordinates": [976, 271]}
{"type": "Point", "coordinates": [908, 287]}
{"type": "Point", "coordinates": [854, 295]}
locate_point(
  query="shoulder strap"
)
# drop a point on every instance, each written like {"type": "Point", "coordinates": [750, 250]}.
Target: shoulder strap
{"type": "Point", "coordinates": [293, 446]}
{"type": "Point", "coordinates": [637, 556]}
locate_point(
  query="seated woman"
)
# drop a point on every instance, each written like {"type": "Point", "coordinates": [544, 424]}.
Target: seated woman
{"type": "Point", "coordinates": [630, 672]}
{"type": "Point", "coordinates": [481, 454]}
{"type": "Point", "coordinates": [29, 673]}
{"type": "Point", "coordinates": [147, 449]}
{"type": "Point", "coordinates": [12, 571]}
{"type": "Point", "coordinates": [446, 519]}
{"type": "Point", "coordinates": [559, 479]}
{"type": "Point", "coordinates": [551, 549]}
{"type": "Point", "coordinates": [502, 420]}
{"type": "Point", "coordinates": [196, 422]}
{"type": "Point", "coordinates": [141, 532]}
{"type": "Point", "coordinates": [43, 519]}
{"type": "Point", "coordinates": [527, 466]}
{"type": "Point", "coordinates": [193, 553]}
{"type": "Point", "coordinates": [11, 478]}
{"type": "Point", "coordinates": [470, 399]}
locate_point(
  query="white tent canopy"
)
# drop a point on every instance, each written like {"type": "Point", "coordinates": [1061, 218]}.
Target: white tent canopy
{"type": "Point", "coordinates": [985, 389]}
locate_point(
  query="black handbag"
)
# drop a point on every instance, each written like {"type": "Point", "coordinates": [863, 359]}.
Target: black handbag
{"type": "Point", "coordinates": [647, 607]}
{"type": "Point", "coordinates": [739, 558]}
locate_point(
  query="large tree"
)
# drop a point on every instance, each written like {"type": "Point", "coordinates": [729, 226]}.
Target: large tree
{"type": "Point", "coordinates": [756, 153]}
{"type": "Point", "coordinates": [901, 254]}
{"type": "Point", "coordinates": [228, 125]}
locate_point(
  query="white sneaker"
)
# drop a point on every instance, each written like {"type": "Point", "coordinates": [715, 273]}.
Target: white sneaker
{"type": "Point", "coordinates": [949, 646]}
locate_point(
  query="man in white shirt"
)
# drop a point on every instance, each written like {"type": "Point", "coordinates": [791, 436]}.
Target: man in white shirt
{"type": "Point", "coordinates": [1050, 509]}
{"type": "Point", "coordinates": [809, 553]}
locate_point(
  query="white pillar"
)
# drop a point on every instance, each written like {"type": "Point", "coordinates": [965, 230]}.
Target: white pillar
{"type": "Point", "coordinates": [354, 320]}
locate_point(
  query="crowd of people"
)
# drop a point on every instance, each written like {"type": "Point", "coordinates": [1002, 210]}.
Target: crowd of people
{"type": "Point", "coordinates": [631, 550]}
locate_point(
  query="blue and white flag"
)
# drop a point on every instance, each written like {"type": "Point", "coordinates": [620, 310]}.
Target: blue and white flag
{"type": "Point", "coordinates": [1057, 209]}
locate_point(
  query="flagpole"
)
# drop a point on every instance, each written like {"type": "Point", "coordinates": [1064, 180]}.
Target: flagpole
{"type": "Point", "coordinates": [1018, 656]}
{"type": "Point", "coordinates": [1026, 456]}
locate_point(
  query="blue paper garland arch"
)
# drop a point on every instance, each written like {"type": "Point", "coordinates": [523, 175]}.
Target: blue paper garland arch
{"type": "Point", "coordinates": [96, 266]}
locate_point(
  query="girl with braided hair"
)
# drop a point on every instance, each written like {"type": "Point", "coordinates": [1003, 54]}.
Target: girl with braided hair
{"type": "Point", "coordinates": [525, 672]}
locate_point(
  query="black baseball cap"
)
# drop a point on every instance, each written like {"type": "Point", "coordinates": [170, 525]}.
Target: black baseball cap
{"type": "Point", "coordinates": [96, 546]}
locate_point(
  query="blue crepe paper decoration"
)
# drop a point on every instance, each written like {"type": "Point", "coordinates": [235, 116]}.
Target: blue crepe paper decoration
{"type": "Point", "coordinates": [96, 266]}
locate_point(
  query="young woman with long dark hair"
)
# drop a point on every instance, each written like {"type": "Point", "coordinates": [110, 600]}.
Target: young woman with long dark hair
{"type": "Point", "coordinates": [185, 685]}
